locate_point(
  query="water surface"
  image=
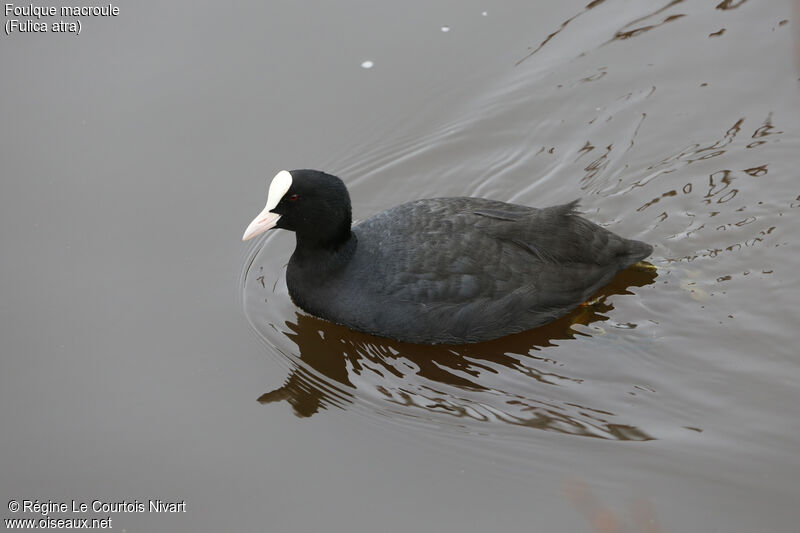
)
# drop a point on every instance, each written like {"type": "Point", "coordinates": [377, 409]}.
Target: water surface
{"type": "Point", "coordinates": [147, 353]}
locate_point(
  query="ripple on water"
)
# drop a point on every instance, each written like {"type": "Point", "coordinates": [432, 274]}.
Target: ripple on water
{"type": "Point", "coordinates": [594, 111]}
{"type": "Point", "coordinates": [508, 382]}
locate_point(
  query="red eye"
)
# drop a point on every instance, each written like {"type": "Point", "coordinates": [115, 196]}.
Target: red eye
{"type": "Point", "coordinates": [293, 198]}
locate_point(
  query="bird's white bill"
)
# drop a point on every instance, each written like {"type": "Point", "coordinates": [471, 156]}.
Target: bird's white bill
{"type": "Point", "coordinates": [266, 220]}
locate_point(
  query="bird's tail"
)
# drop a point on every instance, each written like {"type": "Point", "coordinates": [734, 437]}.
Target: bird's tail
{"type": "Point", "coordinates": [637, 250]}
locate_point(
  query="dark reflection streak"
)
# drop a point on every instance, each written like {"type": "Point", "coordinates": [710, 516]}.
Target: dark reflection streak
{"type": "Point", "coordinates": [636, 131]}
{"type": "Point", "coordinates": [598, 411]}
{"type": "Point", "coordinates": [594, 77]}
{"type": "Point", "coordinates": [691, 154]}
{"type": "Point", "coordinates": [622, 35]}
{"type": "Point", "coordinates": [727, 139]}
{"type": "Point", "coordinates": [585, 150]}
{"type": "Point", "coordinates": [335, 361]}
{"type": "Point", "coordinates": [766, 128]}
{"type": "Point", "coordinates": [730, 4]}
{"type": "Point", "coordinates": [564, 24]}
{"type": "Point", "coordinates": [716, 187]}
{"type": "Point", "coordinates": [595, 167]}
{"type": "Point", "coordinates": [250, 264]}
{"type": "Point", "coordinates": [654, 13]}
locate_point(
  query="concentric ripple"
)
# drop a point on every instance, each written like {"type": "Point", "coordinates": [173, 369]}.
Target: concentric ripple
{"type": "Point", "coordinates": [509, 381]}
{"type": "Point", "coordinates": [594, 118]}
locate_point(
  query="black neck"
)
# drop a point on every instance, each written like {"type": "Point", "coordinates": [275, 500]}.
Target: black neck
{"type": "Point", "coordinates": [330, 254]}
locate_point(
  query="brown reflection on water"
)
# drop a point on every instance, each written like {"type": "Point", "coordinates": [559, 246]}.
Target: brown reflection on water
{"type": "Point", "coordinates": [454, 381]}
{"type": "Point", "coordinates": [595, 172]}
{"type": "Point", "coordinates": [633, 28]}
{"type": "Point", "coordinates": [710, 198]}
{"type": "Point", "coordinates": [626, 32]}
{"type": "Point", "coordinates": [564, 24]}
{"type": "Point", "coordinates": [730, 4]}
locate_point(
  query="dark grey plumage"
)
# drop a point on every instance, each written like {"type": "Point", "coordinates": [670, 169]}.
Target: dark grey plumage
{"type": "Point", "coordinates": [444, 270]}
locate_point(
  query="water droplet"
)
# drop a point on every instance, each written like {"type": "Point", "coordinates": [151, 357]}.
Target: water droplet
{"type": "Point", "coordinates": [445, 29]}
{"type": "Point", "coordinates": [367, 64]}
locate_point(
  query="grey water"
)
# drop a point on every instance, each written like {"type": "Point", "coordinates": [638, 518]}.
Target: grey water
{"type": "Point", "coordinates": [146, 353]}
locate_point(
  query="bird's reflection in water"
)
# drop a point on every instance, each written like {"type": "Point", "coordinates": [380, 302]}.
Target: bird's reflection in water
{"type": "Point", "coordinates": [491, 381]}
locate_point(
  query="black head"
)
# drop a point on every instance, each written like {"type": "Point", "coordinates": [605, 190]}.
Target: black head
{"type": "Point", "coordinates": [315, 205]}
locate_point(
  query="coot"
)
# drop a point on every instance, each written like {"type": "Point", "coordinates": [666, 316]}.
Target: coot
{"type": "Point", "coordinates": [440, 270]}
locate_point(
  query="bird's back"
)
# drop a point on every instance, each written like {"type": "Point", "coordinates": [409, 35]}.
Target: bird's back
{"type": "Point", "coordinates": [469, 269]}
